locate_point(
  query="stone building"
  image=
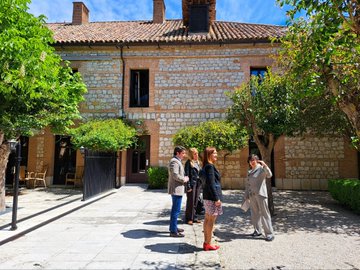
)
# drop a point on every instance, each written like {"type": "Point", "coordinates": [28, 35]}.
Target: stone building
{"type": "Point", "coordinates": [167, 74]}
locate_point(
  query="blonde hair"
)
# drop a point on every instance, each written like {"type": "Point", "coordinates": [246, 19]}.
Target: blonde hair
{"type": "Point", "coordinates": [192, 151]}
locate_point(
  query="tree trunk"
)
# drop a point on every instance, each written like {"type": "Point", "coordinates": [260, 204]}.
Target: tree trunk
{"type": "Point", "coordinates": [267, 159]}
{"type": "Point", "coordinates": [4, 155]}
{"type": "Point", "coordinates": [348, 103]}
{"type": "Point", "coordinates": [266, 146]}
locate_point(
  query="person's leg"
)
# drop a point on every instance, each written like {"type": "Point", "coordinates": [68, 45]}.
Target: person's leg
{"type": "Point", "coordinates": [189, 206]}
{"type": "Point", "coordinates": [255, 216]}
{"type": "Point", "coordinates": [175, 211]}
{"type": "Point", "coordinates": [207, 228]}
{"type": "Point", "coordinates": [209, 223]}
{"type": "Point", "coordinates": [265, 216]}
{"type": "Point", "coordinates": [196, 201]}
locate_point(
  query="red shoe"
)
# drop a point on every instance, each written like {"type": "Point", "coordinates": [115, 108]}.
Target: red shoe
{"type": "Point", "coordinates": [208, 247]}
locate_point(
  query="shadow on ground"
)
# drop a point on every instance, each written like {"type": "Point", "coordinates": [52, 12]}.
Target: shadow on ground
{"type": "Point", "coordinates": [173, 248]}
{"type": "Point", "coordinates": [294, 211]}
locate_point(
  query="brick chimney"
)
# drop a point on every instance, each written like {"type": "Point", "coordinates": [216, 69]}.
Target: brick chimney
{"type": "Point", "coordinates": [193, 6]}
{"type": "Point", "coordinates": [159, 11]}
{"type": "Point", "coordinates": [80, 13]}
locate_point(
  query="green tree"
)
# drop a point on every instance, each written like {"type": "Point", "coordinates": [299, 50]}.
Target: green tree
{"type": "Point", "coordinates": [219, 134]}
{"type": "Point", "coordinates": [37, 89]}
{"type": "Point", "coordinates": [322, 53]}
{"type": "Point", "coordinates": [108, 135]}
{"type": "Point", "coordinates": [267, 110]}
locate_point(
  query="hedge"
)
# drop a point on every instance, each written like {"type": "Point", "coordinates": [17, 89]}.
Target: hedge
{"type": "Point", "coordinates": [158, 177]}
{"type": "Point", "coordinates": [347, 192]}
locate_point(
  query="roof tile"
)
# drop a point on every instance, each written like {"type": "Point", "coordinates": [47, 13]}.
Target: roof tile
{"type": "Point", "coordinates": [168, 32]}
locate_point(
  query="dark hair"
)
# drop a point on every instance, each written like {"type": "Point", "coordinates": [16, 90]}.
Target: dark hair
{"type": "Point", "coordinates": [179, 149]}
{"type": "Point", "coordinates": [207, 153]}
{"type": "Point", "coordinates": [252, 157]}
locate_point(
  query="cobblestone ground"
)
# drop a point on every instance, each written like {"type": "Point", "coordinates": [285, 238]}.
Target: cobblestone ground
{"type": "Point", "coordinates": [312, 231]}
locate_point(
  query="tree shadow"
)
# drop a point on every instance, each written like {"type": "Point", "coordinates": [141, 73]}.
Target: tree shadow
{"type": "Point", "coordinates": [307, 211]}
{"type": "Point", "coordinates": [181, 266]}
{"type": "Point", "coordinates": [142, 233]}
{"type": "Point", "coordinates": [173, 248]}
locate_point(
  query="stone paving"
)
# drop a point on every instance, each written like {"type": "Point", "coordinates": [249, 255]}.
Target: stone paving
{"type": "Point", "coordinates": [127, 228]}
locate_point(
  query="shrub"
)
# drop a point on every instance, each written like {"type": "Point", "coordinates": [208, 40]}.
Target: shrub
{"type": "Point", "coordinates": [219, 134]}
{"type": "Point", "coordinates": [158, 177]}
{"type": "Point", "coordinates": [109, 135]}
{"type": "Point", "coordinates": [347, 192]}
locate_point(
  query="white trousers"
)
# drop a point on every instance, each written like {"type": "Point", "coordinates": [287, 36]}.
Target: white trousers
{"type": "Point", "coordinates": [260, 214]}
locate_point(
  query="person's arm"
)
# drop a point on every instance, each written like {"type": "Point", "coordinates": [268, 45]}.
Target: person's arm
{"type": "Point", "coordinates": [246, 195]}
{"type": "Point", "coordinates": [266, 168]}
{"type": "Point", "coordinates": [210, 173]}
{"type": "Point", "coordinates": [188, 173]}
{"type": "Point", "coordinates": [174, 167]}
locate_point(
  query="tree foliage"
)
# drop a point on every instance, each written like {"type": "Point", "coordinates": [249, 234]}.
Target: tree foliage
{"type": "Point", "coordinates": [108, 135]}
{"type": "Point", "coordinates": [37, 89]}
{"type": "Point", "coordinates": [219, 134]}
{"type": "Point", "coordinates": [322, 53]}
{"type": "Point", "coordinates": [266, 108]}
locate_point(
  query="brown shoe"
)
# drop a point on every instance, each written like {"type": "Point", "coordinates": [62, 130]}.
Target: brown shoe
{"type": "Point", "coordinates": [176, 234]}
{"type": "Point", "coordinates": [180, 230]}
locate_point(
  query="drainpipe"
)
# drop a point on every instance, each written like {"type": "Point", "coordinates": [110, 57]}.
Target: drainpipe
{"type": "Point", "coordinates": [123, 81]}
{"type": "Point", "coordinates": [122, 105]}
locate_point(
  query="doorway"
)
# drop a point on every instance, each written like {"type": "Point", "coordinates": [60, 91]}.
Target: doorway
{"type": "Point", "coordinates": [138, 161]}
{"type": "Point", "coordinates": [65, 159]}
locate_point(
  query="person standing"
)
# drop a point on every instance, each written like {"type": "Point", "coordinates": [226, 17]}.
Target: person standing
{"type": "Point", "coordinates": [212, 195]}
{"type": "Point", "coordinates": [256, 191]}
{"type": "Point", "coordinates": [176, 188]}
{"type": "Point", "coordinates": [192, 168]}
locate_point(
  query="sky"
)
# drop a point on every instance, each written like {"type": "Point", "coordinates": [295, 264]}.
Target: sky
{"type": "Point", "coordinates": [247, 11]}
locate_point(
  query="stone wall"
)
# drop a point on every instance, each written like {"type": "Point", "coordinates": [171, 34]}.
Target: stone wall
{"type": "Point", "coordinates": [187, 86]}
{"type": "Point", "coordinates": [310, 162]}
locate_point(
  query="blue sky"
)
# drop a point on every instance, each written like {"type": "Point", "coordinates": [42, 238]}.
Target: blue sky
{"type": "Point", "coordinates": [250, 11]}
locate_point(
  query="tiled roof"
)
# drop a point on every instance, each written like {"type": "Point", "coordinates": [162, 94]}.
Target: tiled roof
{"type": "Point", "coordinates": [171, 31]}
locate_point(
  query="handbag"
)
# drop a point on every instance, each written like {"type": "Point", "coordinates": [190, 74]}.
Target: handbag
{"type": "Point", "coordinates": [245, 205]}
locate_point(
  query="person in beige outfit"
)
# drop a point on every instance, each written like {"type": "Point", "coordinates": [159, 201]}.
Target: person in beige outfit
{"type": "Point", "coordinates": [176, 188]}
{"type": "Point", "coordinates": [256, 191]}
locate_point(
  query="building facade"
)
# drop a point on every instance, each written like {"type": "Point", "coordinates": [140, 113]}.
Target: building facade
{"type": "Point", "coordinates": [167, 74]}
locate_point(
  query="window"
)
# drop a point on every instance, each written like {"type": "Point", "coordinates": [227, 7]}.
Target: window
{"type": "Point", "coordinates": [260, 72]}
{"type": "Point", "coordinates": [139, 88]}
{"type": "Point", "coordinates": [199, 18]}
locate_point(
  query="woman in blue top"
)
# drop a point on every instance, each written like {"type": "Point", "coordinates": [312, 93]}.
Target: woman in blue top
{"type": "Point", "coordinates": [212, 195]}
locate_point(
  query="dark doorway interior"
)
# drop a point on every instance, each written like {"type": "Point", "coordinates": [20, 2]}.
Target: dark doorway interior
{"type": "Point", "coordinates": [138, 160]}
{"type": "Point", "coordinates": [10, 169]}
{"type": "Point", "coordinates": [65, 159]}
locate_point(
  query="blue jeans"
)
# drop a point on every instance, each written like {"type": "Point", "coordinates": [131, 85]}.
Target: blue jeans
{"type": "Point", "coordinates": [175, 211]}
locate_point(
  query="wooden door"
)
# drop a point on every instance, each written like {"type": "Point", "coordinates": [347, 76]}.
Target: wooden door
{"type": "Point", "coordinates": [138, 161]}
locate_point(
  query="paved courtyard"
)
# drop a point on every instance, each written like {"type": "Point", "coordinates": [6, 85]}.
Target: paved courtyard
{"type": "Point", "coordinates": [128, 229]}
